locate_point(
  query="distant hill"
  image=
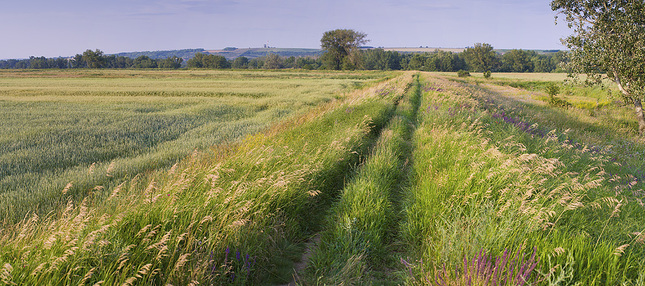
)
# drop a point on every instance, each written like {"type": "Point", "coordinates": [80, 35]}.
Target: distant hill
{"type": "Point", "coordinates": [251, 53]}
{"type": "Point", "coordinates": [184, 54]}
{"type": "Point", "coordinates": [231, 53]}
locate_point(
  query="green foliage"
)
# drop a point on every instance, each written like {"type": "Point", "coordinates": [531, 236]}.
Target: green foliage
{"type": "Point", "coordinates": [552, 89]}
{"type": "Point", "coordinates": [93, 59]}
{"type": "Point", "coordinates": [272, 61]}
{"type": "Point", "coordinates": [519, 61]}
{"type": "Point", "coordinates": [378, 59]}
{"type": "Point", "coordinates": [144, 62]}
{"type": "Point", "coordinates": [487, 74]}
{"type": "Point", "coordinates": [606, 40]}
{"type": "Point", "coordinates": [341, 46]}
{"type": "Point", "coordinates": [463, 73]}
{"type": "Point", "coordinates": [207, 61]}
{"type": "Point", "coordinates": [481, 57]}
{"type": "Point", "coordinates": [240, 63]}
{"type": "Point", "coordinates": [171, 63]}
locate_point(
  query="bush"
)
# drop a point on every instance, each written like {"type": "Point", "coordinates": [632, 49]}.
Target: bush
{"type": "Point", "coordinates": [463, 73]}
{"type": "Point", "coordinates": [553, 90]}
{"type": "Point", "coordinates": [487, 74]}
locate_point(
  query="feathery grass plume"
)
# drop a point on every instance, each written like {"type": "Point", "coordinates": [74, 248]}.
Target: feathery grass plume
{"type": "Point", "coordinates": [110, 169]}
{"type": "Point", "coordinates": [67, 187]}
{"type": "Point", "coordinates": [181, 261]}
{"type": "Point", "coordinates": [27, 227]}
{"type": "Point", "coordinates": [5, 274]}
{"type": "Point", "coordinates": [90, 171]}
{"type": "Point", "coordinates": [116, 191]}
{"type": "Point", "coordinates": [144, 270]}
{"type": "Point", "coordinates": [87, 276]}
{"type": "Point", "coordinates": [130, 281]}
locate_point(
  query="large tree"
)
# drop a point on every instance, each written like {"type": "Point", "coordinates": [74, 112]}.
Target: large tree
{"type": "Point", "coordinates": [481, 57]}
{"type": "Point", "coordinates": [609, 41]}
{"type": "Point", "coordinates": [94, 59]}
{"type": "Point", "coordinates": [341, 46]}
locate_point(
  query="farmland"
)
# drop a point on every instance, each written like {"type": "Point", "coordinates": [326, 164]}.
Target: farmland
{"type": "Point", "coordinates": [94, 128]}
{"type": "Point", "coordinates": [348, 178]}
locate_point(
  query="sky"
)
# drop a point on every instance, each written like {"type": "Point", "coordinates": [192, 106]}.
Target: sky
{"type": "Point", "coordinates": [54, 28]}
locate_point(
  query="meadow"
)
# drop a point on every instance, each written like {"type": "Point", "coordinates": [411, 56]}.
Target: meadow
{"type": "Point", "coordinates": [369, 179]}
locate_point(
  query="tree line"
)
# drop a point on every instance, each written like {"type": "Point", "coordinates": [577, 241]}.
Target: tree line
{"type": "Point", "coordinates": [481, 57]}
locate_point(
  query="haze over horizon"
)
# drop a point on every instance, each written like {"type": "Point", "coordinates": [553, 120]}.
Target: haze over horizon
{"type": "Point", "coordinates": [67, 27]}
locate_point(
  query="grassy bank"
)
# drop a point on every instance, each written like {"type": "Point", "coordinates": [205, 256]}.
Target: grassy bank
{"type": "Point", "coordinates": [490, 183]}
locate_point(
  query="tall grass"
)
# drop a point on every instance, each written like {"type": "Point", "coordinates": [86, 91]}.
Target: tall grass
{"type": "Point", "coordinates": [488, 178]}
{"type": "Point", "coordinates": [354, 246]}
{"type": "Point", "coordinates": [229, 217]}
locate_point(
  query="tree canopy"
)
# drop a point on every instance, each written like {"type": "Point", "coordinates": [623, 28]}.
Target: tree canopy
{"type": "Point", "coordinates": [481, 57]}
{"type": "Point", "coordinates": [341, 46]}
{"type": "Point", "coordinates": [609, 40]}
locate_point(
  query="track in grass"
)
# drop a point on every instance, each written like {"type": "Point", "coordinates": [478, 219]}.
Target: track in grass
{"type": "Point", "coordinates": [457, 172]}
{"type": "Point", "coordinates": [356, 245]}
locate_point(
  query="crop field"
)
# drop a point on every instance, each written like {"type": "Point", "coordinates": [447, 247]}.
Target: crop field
{"type": "Point", "coordinates": [91, 128]}
{"type": "Point", "coordinates": [316, 178]}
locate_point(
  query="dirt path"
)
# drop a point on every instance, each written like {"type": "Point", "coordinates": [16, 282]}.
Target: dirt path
{"type": "Point", "coordinates": [299, 267]}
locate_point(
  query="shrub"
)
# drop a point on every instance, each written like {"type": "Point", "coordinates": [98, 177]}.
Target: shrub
{"type": "Point", "coordinates": [553, 90]}
{"type": "Point", "coordinates": [487, 74]}
{"type": "Point", "coordinates": [463, 73]}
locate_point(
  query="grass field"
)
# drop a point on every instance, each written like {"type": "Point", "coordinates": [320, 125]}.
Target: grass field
{"type": "Point", "coordinates": [91, 128]}
{"type": "Point", "coordinates": [376, 179]}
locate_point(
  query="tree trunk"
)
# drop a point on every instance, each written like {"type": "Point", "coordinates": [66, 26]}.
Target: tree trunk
{"type": "Point", "coordinates": [637, 103]}
{"type": "Point", "coordinates": [639, 115]}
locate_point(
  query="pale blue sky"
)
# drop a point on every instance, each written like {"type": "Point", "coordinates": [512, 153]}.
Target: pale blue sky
{"type": "Point", "coordinates": [66, 27]}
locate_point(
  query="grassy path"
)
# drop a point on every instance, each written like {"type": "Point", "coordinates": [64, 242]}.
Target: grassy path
{"type": "Point", "coordinates": [355, 247]}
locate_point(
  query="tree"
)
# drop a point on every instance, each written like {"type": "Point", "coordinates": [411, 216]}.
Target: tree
{"type": "Point", "coordinates": [240, 63]}
{"type": "Point", "coordinates": [94, 59]}
{"type": "Point", "coordinates": [196, 61]}
{"type": "Point", "coordinates": [518, 61]}
{"type": "Point", "coordinates": [608, 41]}
{"type": "Point", "coordinates": [272, 61]}
{"type": "Point", "coordinates": [144, 62]}
{"type": "Point", "coordinates": [173, 62]}
{"type": "Point", "coordinates": [341, 46]}
{"type": "Point", "coordinates": [481, 57]}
